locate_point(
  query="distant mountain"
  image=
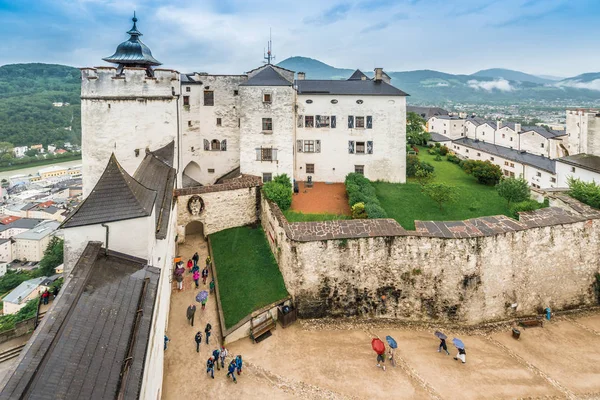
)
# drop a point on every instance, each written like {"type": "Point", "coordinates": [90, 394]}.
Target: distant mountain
{"type": "Point", "coordinates": [552, 77]}
{"type": "Point", "coordinates": [27, 115]}
{"type": "Point", "coordinates": [508, 74]}
{"type": "Point", "coordinates": [500, 86]}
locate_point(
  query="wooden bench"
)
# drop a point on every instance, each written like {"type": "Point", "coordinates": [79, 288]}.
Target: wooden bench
{"type": "Point", "coordinates": [260, 328]}
{"type": "Point", "coordinates": [532, 323]}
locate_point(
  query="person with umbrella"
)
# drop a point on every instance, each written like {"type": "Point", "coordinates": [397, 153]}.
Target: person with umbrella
{"type": "Point", "coordinates": [392, 350]}
{"type": "Point", "coordinates": [443, 344]}
{"type": "Point", "coordinates": [202, 297]}
{"type": "Point", "coordinates": [462, 354]}
{"type": "Point", "coordinates": [379, 348]}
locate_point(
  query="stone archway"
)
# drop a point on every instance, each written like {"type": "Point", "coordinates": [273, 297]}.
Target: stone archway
{"type": "Point", "coordinates": [192, 175]}
{"type": "Point", "coordinates": [194, 228]}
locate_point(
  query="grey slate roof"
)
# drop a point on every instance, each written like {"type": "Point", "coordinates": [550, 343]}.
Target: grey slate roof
{"type": "Point", "coordinates": [585, 161]}
{"type": "Point", "coordinates": [40, 231]}
{"type": "Point", "coordinates": [133, 51]}
{"type": "Point", "coordinates": [438, 137]}
{"type": "Point", "coordinates": [539, 162]}
{"type": "Point", "coordinates": [166, 153]}
{"type": "Point", "coordinates": [367, 88]}
{"type": "Point", "coordinates": [80, 347]}
{"type": "Point", "coordinates": [267, 77]}
{"type": "Point", "coordinates": [449, 117]}
{"type": "Point", "coordinates": [23, 223]}
{"type": "Point", "coordinates": [23, 290]}
{"type": "Point", "coordinates": [426, 112]}
{"type": "Point", "coordinates": [157, 175]}
{"type": "Point", "coordinates": [543, 132]}
{"type": "Point", "coordinates": [116, 197]}
{"type": "Point", "coordinates": [358, 75]}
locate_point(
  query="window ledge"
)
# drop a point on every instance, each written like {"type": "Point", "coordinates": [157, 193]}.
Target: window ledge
{"type": "Point", "coordinates": [267, 132]}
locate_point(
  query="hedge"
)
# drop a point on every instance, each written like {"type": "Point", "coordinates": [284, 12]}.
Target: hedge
{"type": "Point", "coordinates": [360, 190]}
{"type": "Point", "coordinates": [279, 190]}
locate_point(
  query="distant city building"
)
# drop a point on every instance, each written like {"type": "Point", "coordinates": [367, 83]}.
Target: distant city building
{"type": "Point", "coordinates": [30, 245]}
{"type": "Point", "coordinates": [20, 295]}
{"type": "Point", "coordinates": [51, 148]}
{"type": "Point", "coordinates": [20, 151]}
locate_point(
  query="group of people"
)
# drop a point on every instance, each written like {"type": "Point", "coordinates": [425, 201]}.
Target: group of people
{"type": "Point", "coordinates": [46, 294]}
{"type": "Point", "coordinates": [194, 269]}
{"type": "Point", "coordinates": [218, 358]}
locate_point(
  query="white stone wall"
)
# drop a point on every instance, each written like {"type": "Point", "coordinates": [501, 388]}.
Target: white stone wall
{"type": "Point", "coordinates": [6, 252]}
{"type": "Point", "coordinates": [282, 137]}
{"type": "Point", "coordinates": [29, 249]}
{"type": "Point", "coordinates": [453, 128]}
{"type": "Point", "coordinates": [583, 131]}
{"type": "Point", "coordinates": [486, 133]}
{"type": "Point", "coordinates": [222, 210]}
{"type": "Point", "coordinates": [133, 237]}
{"type": "Point", "coordinates": [125, 114]}
{"type": "Point", "coordinates": [334, 161]}
{"type": "Point", "coordinates": [461, 280]}
{"type": "Point", "coordinates": [565, 171]}
{"type": "Point", "coordinates": [506, 137]}
{"type": "Point", "coordinates": [199, 123]}
{"type": "Point", "coordinates": [534, 143]}
{"type": "Point", "coordinates": [470, 129]}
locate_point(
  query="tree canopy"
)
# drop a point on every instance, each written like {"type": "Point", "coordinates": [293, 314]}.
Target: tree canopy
{"type": "Point", "coordinates": [415, 129]}
{"type": "Point", "coordinates": [53, 256]}
{"type": "Point", "coordinates": [514, 190]}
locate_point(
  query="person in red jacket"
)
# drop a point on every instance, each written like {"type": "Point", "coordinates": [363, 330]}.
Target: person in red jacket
{"type": "Point", "coordinates": [45, 296]}
{"type": "Point", "coordinates": [190, 264]}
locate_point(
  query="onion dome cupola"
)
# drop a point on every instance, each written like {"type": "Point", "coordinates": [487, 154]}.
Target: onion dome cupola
{"type": "Point", "coordinates": [133, 53]}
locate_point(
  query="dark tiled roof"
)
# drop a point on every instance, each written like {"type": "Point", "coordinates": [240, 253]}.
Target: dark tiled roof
{"type": "Point", "coordinates": [133, 51]}
{"type": "Point", "coordinates": [426, 112]}
{"type": "Point", "coordinates": [28, 206]}
{"type": "Point", "coordinates": [452, 117]}
{"type": "Point", "coordinates": [23, 223]}
{"type": "Point", "coordinates": [367, 88]}
{"type": "Point", "coordinates": [116, 197]}
{"type": "Point", "coordinates": [155, 174]}
{"type": "Point", "coordinates": [438, 137]}
{"type": "Point", "coordinates": [79, 349]}
{"type": "Point", "coordinates": [267, 77]}
{"type": "Point", "coordinates": [585, 161]}
{"type": "Point", "coordinates": [543, 132]}
{"type": "Point", "coordinates": [166, 153]}
{"type": "Point", "coordinates": [540, 162]}
{"type": "Point", "coordinates": [357, 76]}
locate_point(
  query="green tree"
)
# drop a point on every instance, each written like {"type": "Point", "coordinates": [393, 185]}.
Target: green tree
{"type": "Point", "coordinates": [424, 177]}
{"type": "Point", "coordinates": [32, 152]}
{"type": "Point", "coordinates": [53, 256]}
{"type": "Point", "coordinates": [513, 190]}
{"type": "Point", "coordinates": [415, 129]}
{"type": "Point", "coordinates": [485, 172]}
{"type": "Point", "coordinates": [441, 193]}
{"type": "Point", "coordinates": [279, 192]}
{"type": "Point", "coordinates": [6, 148]}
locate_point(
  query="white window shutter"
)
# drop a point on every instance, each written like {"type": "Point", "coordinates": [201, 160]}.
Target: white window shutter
{"type": "Point", "coordinates": [317, 146]}
{"type": "Point", "coordinates": [299, 146]}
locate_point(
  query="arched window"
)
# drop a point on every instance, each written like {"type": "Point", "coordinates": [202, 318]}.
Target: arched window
{"type": "Point", "coordinates": [215, 145]}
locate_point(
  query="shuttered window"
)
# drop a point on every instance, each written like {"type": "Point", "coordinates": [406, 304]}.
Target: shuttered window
{"type": "Point", "coordinates": [333, 121]}
{"type": "Point", "coordinates": [369, 147]}
{"type": "Point", "coordinates": [351, 146]}
{"type": "Point", "coordinates": [369, 122]}
{"type": "Point", "coordinates": [350, 121]}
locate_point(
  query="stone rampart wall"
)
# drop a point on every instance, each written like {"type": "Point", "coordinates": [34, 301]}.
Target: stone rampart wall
{"type": "Point", "coordinates": [472, 271]}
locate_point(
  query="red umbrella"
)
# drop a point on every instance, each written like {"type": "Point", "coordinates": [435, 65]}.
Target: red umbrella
{"type": "Point", "coordinates": [378, 346]}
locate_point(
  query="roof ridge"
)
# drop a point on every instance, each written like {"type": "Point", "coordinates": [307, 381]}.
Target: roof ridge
{"type": "Point", "coordinates": [129, 180]}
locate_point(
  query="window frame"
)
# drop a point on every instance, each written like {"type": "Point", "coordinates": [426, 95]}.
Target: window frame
{"type": "Point", "coordinates": [268, 175]}
{"type": "Point", "coordinates": [267, 98]}
{"type": "Point", "coordinates": [209, 95]}
{"type": "Point", "coordinates": [364, 148]}
{"type": "Point", "coordinates": [214, 147]}
{"type": "Point", "coordinates": [308, 146]}
{"type": "Point", "coordinates": [356, 122]}
{"type": "Point", "coordinates": [219, 121]}
{"type": "Point", "coordinates": [312, 167]}
{"type": "Point", "coordinates": [266, 123]}
{"type": "Point", "coordinates": [359, 169]}
{"type": "Point", "coordinates": [309, 121]}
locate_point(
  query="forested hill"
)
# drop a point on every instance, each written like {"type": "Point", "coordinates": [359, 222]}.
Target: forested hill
{"type": "Point", "coordinates": [27, 115]}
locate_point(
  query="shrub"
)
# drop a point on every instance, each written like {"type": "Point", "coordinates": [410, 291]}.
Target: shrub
{"type": "Point", "coordinates": [432, 151]}
{"type": "Point", "coordinates": [412, 162]}
{"type": "Point", "coordinates": [358, 211]}
{"type": "Point", "coordinates": [586, 192]}
{"type": "Point", "coordinates": [283, 179]}
{"type": "Point", "coordinates": [430, 145]}
{"type": "Point", "coordinates": [453, 158]}
{"type": "Point", "coordinates": [279, 193]}
{"type": "Point", "coordinates": [485, 172]}
{"type": "Point", "coordinates": [425, 166]}
{"type": "Point", "coordinates": [374, 210]}
{"type": "Point", "coordinates": [438, 158]}
{"type": "Point", "coordinates": [527, 205]}
{"type": "Point", "coordinates": [424, 177]}
{"type": "Point", "coordinates": [513, 190]}
{"type": "Point", "coordinates": [444, 150]}
{"type": "Point", "coordinates": [440, 193]}
{"type": "Point", "coordinates": [438, 145]}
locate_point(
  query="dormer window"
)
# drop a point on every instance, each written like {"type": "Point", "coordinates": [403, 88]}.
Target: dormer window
{"type": "Point", "coordinates": [266, 97]}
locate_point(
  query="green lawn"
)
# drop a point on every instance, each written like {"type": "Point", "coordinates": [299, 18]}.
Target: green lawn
{"type": "Point", "coordinates": [248, 274]}
{"type": "Point", "coordinates": [294, 216]}
{"type": "Point", "coordinates": [406, 203]}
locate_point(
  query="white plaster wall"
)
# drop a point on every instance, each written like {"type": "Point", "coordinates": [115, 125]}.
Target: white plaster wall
{"type": "Point", "coordinates": [6, 252]}
{"type": "Point", "coordinates": [532, 143]}
{"type": "Point", "coordinates": [121, 115]}
{"type": "Point", "coordinates": [334, 162]}
{"type": "Point", "coordinates": [203, 121]}
{"type": "Point", "coordinates": [129, 236]}
{"type": "Point", "coordinates": [470, 130]}
{"type": "Point", "coordinates": [564, 172]}
{"type": "Point", "coordinates": [541, 178]}
{"type": "Point", "coordinates": [222, 210]}
{"type": "Point", "coordinates": [486, 133]}
{"type": "Point", "coordinates": [510, 139]}
{"type": "Point", "coordinates": [281, 110]}
{"type": "Point", "coordinates": [31, 250]}
{"type": "Point", "coordinates": [439, 125]}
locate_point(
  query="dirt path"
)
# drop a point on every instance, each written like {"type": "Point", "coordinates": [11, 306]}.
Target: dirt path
{"type": "Point", "coordinates": [322, 198]}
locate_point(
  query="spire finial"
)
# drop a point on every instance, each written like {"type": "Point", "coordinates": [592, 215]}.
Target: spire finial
{"type": "Point", "coordinates": [134, 31]}
{"type": "Point", "coordinates": [134, 19]}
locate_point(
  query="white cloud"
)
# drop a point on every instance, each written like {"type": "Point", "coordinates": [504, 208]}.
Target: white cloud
{"type": "Point", "coordinates": [591, 85]}
{"type": "Point", "coordinates": [499, 84]}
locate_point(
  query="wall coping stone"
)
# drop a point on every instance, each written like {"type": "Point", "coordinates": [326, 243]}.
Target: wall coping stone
{"type": "Point", "coordinates": [572, 211]}
{"type": "Point", "coordinates": [243, 182]}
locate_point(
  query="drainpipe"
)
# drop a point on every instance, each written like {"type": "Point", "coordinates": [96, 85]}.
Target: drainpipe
{"type": "Point", "coordinates": [106, 243]}
{"type": "Point", "coordinates": [179, 184]}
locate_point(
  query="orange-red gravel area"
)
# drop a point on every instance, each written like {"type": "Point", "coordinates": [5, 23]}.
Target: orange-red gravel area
{"type": "Point", "coordinates": [322, 198]}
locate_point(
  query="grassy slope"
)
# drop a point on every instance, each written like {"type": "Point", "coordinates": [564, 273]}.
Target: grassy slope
{"type": "Point", "coordinates": [406, 203]}
{"type": "Point", "coordinates": [40, 163]}
{"type": "Point", "coordinates": [248, 274]}
{"type": "Point", "coordinates": [294, 216]}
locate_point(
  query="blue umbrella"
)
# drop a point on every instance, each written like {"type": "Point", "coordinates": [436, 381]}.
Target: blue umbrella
{"type": "Point", "coordinates": [440, 335]}
{"type": "Point", "coordinates": [391, 342]}
{"type": "Point", "coordinates": [203, 295]}
{"type": "Point", "coordinates": [458, 343]}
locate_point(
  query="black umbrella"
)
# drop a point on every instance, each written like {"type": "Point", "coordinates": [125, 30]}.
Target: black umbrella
{"type": "Point", "coordinates": [440, 335]}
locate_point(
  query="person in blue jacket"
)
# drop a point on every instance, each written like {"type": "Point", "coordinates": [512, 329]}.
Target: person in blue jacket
{"type": "Point", "coordinates": [210, 367]}
{"type": "Point", "coordinates": [231, 370]}
{"type": "Point", "coordinates": [238, 364]}
{"type": "Point", "coordinates": [216, 354]}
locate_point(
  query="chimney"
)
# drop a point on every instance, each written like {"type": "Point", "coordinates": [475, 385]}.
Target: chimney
{"type": "Point", "coordinates": [518, 128]}
{"type": "Point", "coordinates": [378, 74]}
{"type": "Point", "coordinates": [301, 76]}
{"type": "Point", "coordinates": [363, 78]}
{"type": "Point", "coordinates": [498, 125]}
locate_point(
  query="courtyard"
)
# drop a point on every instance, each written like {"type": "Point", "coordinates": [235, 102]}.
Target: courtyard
{"type": "Point", "coordinates": [321, 202]}
{"type": "Point", "coordinates": [334, 360]}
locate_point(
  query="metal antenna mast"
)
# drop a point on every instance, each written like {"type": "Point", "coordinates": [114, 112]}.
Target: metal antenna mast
{"type": "Point", "coordinates": [268, 54]}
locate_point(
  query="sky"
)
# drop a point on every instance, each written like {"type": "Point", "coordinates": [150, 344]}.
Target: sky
{"type": "Point", "coordinates": [549, 37]}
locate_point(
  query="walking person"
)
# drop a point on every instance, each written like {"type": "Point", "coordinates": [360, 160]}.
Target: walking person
{"type": "Point", "coordinates": [238, 364]}
{"type": "Point", "coordinates": [443, 346]}
{"type": "Point", "coordinates": [224, 353]}
{"type": "Point", "coordinates": [190, 264]}
{"type": "Point", "coordinates": [203, 302]}
{"type": "Point", "coordinates": [231, 370]}
{"type": "Point", "coordinates": [167, 340]}
{"type": "Point", "coordinates": [195, 258]}
{"type": "Point", "coordinates": [179, 271]}
{"type": "Point", "coordinates": [210, 367]}
{"type": "Point", "coordinates": [196, 276]}
{"type": "Point", "coordinates": [45, 296]}
{"type": "Point", "coordinates": [208, 261]}
{"type": "Point", "coordinates": [198, 339]}
{"type": "Point", "coordinates": [207, 331]}
{"type": "Point", "coordinates": [216, 353]}
{"type": "Point", "coordinates": [55, 292]}
{"type": "Point", "coordinates": [462, 355]}
{"type": "Point", "coordinates": [204, 275]}
{"type": "Point", "coordinates": [211, 285]}
{"type": "Point", "coordinates": [191, 312]}
{"type": "Point", "coordinates": [381, 361]}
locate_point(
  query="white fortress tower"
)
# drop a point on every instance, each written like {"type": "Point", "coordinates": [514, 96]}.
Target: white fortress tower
{"type": "Point", "coordinates": [126, 109]}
